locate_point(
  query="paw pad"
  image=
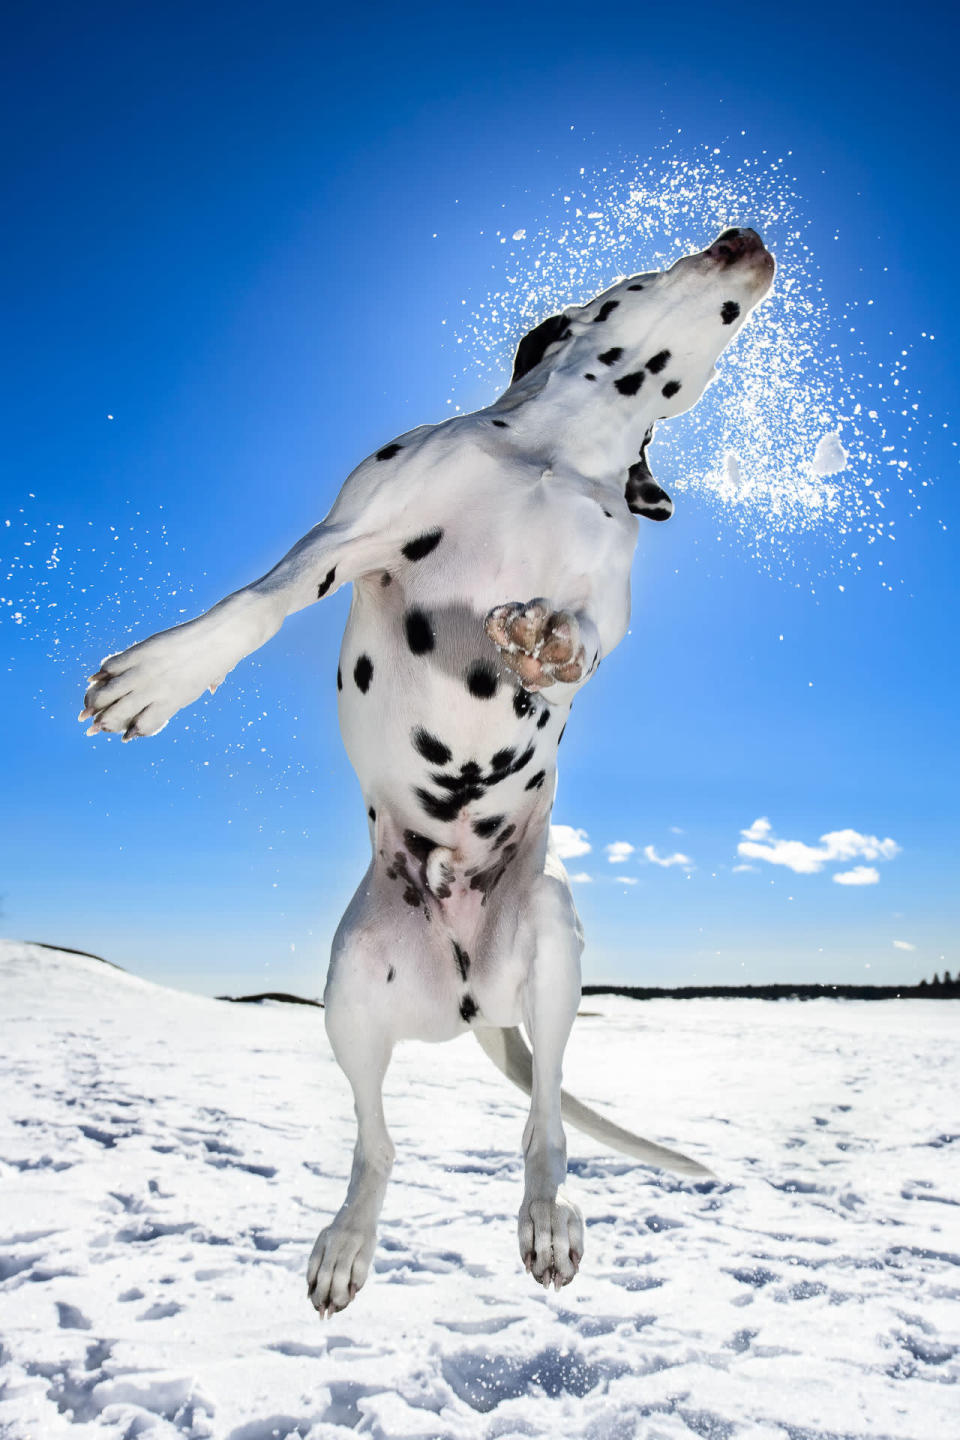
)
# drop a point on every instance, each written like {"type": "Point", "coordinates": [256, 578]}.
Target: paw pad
{"type": "Point", "coordinates": [539, 644]}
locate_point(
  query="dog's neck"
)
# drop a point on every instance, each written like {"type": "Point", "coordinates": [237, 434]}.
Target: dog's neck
{"type": "Point", "coordinates": [570, 422]}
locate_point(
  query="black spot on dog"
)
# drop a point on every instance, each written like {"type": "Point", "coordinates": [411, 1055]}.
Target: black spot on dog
{"type": "Point", "coordinates": [416, 549]}
{"type": "Point", "coordinates": [502, 424]}
{"type": "Point", "coordinates": [419, 632]}
{"type": "Point", "coordinates": [458, 785]}
{"type": "Point", "coordinates": [488, 879]}
{"type": "Point", "coordinates": [413, 890]}
{"type": "Point", "coordinates": [326, 582]}
{"type": "Point", "coordinates": [644, 496]}
{"type": "Point", "coordinates": [388, 451]}
{"type": "Point", "coordinates": [729, 312]}
{"type": "Point", "coordinates": [339, 679]}
{"type": "Point", "coordinates": [588, 376]}
{"type": "Point", "coordinates": [630, 384]}
{"type": "Point", "coordinates": [533, 346]}
{"type": "Point", "coordinates": [634, 287]}
{"type": "Point", "coordinates": [470, 770]}
{"type": "Point", "coordinates": [486, 827]}
{"type": "Point", "coordinates": [373, 814]}
{"type": "Point", "coordinates": [439, 807]}
{"type": "Point", "coordinates": [418, 844]}
{"type": "Point", "coordinates": [430, 747]}
{"type": "Point", "coordinates": [522, 704]}
{"type": "Point", "coordinates": [536, 781]}
{"type": "Point", "coordinates": [504, 835]}
{"type": "Point", "coordinates": [390, 974]}
{"type": "Point", "coordinates": [482, 680]}
{"type": "Point", "coordinates": [606, 512]}
{"type": "Point", "coordinates": [544, 717]}
{"type": "Point", "coordinates": [560, 736]}
{"type": "Point", "coordinates": [524, 760]}
{"type": "Point", "coordinates": [606, 310]}
{"type": "Point", "coordinates": [386, 579]}
{"type": "Point", "coordinates": [462, 959]}
{"type": "Point", "coordinates": [363, 673]}
{"type": "Point", "coordinates": [727, 235]}
{"type": "Point", "coordinates": [657, 362]}
{"type": "Point", "coordinates": [468, 1008]}
{"type": "Point", "coordinates": [503, 758]}
{"type": "Point", "coordinates": [611, 356]}
{"type": "Point", "coordinates": [671, 388]}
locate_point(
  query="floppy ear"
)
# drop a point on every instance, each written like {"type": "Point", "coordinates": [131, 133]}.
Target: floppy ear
{"type": "Point", "coordinates": [531, 349]}
{"type": "Point", "coordinates": [644, 496]}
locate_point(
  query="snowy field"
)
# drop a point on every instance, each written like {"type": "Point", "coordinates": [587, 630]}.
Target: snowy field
{"type": "Point", "coordinates": [166, 1161]}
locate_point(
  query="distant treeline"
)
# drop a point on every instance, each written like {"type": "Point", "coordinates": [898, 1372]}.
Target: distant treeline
{"type": "Point", "coordinates": [935, 989]}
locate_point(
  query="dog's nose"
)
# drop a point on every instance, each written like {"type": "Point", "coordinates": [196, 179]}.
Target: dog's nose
{"type": "Point", "coordinates": [734, 243]}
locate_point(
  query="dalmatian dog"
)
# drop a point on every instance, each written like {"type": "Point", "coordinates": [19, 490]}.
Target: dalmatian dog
{"type": "Point", "coordinates": [490, 561]}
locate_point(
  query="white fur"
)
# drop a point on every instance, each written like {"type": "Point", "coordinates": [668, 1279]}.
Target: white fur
{"type": "Point", "coordinates": [460, 923]}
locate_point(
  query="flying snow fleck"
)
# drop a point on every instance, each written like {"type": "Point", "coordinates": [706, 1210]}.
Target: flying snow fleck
{"type": "Point", "coordinates": [763, 446]}
{"type": "Point", "coordinates": [829, 458]}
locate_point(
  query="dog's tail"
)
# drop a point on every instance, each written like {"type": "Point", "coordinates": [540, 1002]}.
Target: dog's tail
{"type": "Point", "coordinates": [509, 1052]}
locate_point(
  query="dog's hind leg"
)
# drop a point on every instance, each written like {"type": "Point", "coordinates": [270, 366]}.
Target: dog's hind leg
{"type": "Point", "coordinates": [341, 1256]}
{"type": "Point", "coordinates": [550, 1224]}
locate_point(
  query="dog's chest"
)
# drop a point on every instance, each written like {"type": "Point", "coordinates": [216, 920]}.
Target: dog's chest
{"type": "Point", "coordinates": [422, 689]}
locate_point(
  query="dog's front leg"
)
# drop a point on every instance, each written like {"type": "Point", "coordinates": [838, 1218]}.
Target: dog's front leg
{"type": "Point", "coordinates": [137, 691]}
{"type": "Point", "coordinates": [550, 1226]}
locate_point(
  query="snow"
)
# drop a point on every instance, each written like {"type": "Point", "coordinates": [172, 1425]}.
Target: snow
{"type": "Point", "coordinates": [829, 458]}
{"type": "Point", "coordinates": [166, 1160]}
{"type": "Point", "coordinates": [762, 448]}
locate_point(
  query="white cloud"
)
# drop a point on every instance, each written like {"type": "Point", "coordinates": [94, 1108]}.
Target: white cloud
{"type": "Point", "coordinates": [568, 842]}
{"type": "Point", "coordinates": [627, 879]}
{"type": "Point", "coordinates": [738, 868]}
{"type": "Point", "coordinates": [903, 945]}
{"type": "Point", "coordinates": [619, 851]}
{"type": "Point", "coordinates": [845, 844]}
{"type": "Point", "coordinates": [859, 875]}
{"type": "Point", "coordinates": [829, 458]}
{"type": "Point", "coordinates": [759, 843]}
{"type": "Point", "coordinates": [665, 860]}
{"type": "Point", "coordinates": [581, 878]}
{"type": "Point", "coordinates": [677, 830]}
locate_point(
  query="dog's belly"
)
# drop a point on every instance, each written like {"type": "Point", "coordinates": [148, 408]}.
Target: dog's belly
{"type": "Point", "coordinates": [444, 740]}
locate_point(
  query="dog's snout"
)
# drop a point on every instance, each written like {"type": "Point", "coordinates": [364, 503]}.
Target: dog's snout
{"type": "Point", "coordinates": [735, 243]}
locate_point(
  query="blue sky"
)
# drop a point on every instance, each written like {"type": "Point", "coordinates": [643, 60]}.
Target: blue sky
{"type": "Point", "coordinates": [256, 237]}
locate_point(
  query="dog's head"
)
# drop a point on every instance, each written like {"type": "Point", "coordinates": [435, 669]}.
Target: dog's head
{"type": "Point", "coordinates": [645, 349]}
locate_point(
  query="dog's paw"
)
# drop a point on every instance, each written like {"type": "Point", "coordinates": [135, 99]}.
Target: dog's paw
{"type": "Point", "coordinates": [338, 1266]}
{"type": "Point", "coordinates": [541, 645]}
{"type": "Point", "coordinates": [136, 692]}
{"type": "Point", "coordinates": [551, 1239]}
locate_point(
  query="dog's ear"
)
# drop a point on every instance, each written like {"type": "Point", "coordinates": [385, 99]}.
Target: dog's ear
{"type": "Point", "coordinates": [644, 495]}
{"type": "Point", "coordinates": [531, 349]}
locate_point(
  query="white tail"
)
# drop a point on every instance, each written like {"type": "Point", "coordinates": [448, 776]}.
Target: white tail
{"type": "Point", "coordinates": [510, 1053]}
